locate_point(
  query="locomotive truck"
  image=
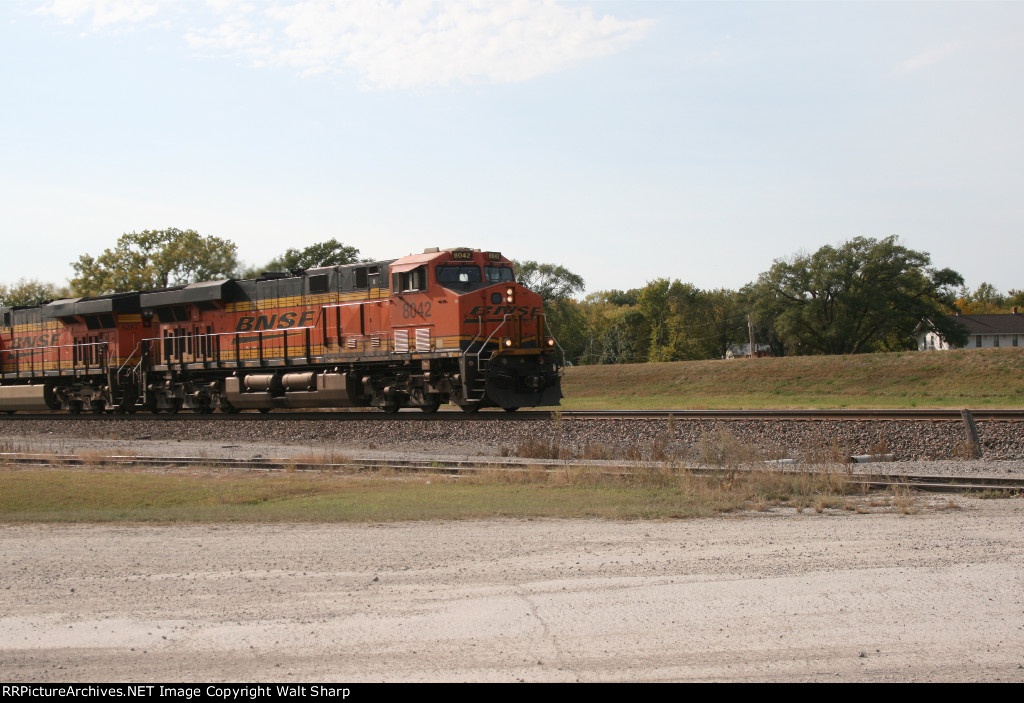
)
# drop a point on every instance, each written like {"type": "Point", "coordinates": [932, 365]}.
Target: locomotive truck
{"type": "Point", "coordinates": [445, 326]}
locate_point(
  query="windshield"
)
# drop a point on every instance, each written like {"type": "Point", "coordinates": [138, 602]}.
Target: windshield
{"type": "Point", "coordinates": [463, 273]}
{"type": "Point", "coordinates": [499, 274]}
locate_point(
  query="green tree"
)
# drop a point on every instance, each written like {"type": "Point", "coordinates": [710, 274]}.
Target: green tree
{"type": "Point", "coordinates": [568, 324]}
{"type": "Point", "coordinates": [984, 300]}
{"type": "Point", "coordinates": [764, 328]}
{"type": "Point", "coordinates": [687, 322]}
{"type": "Point", "coordinates": [154, 259]}
{"type": "Point", "coordinates": [865, 295]}
{"type": "Point", "coordinates": [653, 304]}
{"type": "Point", "coordinates": [626, 340]}
{"type": "Point", "coordinates": [329, 253]}
{"type": "Point", "coordinates": [725, 322]}
{"type": "Point", "coordinates": [1015, 299]}
{"type": "Point", "coordinates": [615, 297]}
{"type": "Point", "coordinates": [27, 292]}
{"type": "Point", "coordinates": [551, 281]}
{"type": "Point", "coordinates": [617, 332]}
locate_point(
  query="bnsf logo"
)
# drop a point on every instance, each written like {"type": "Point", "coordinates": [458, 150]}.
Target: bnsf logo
{"type": "Point", "coordinates": [488, 310]}
{"type": "Point", "coordinates": [274, 322]}
{"type": "Point", "coordinates": [41, 340]}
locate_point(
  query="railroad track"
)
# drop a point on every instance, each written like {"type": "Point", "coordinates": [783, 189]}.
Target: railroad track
{"type": "Point", "coordinates": [933, 415]}
{"type": "Point", "coordinates": [872, 481]}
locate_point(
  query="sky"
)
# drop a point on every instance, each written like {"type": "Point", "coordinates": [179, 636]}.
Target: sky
{"type": "Point", "coordinates": [626, 141]}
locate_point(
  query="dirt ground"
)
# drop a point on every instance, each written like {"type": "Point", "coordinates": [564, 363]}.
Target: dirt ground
{"type": "Point", "coordinates": [790, 597]}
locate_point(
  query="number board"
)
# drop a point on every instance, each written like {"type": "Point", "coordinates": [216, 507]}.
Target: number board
{"type": "Point", "coordinates": [462, 256]}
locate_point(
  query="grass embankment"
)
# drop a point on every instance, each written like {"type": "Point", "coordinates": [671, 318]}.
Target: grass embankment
{"type": "Point", "coordinates": [981, 378]}
{"type": "Point", "coordinates": [99, 495]}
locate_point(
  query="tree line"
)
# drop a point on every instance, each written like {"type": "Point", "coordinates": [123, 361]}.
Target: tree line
{"type": "Point", "coordinates": [863, 295]}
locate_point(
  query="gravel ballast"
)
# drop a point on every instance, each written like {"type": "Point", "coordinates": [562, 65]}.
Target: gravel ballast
{"type": "Point", "coordinates": [906, 440]}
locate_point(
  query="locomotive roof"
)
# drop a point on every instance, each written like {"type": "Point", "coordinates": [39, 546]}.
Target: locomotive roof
{"type": "Point", "coordinates": [205, 291]}
{"type": "Point", "coordinates": [201, 292]}
{"type": "Point", "coordinates": [115, 302]}
{"type": "Point", "coordinates": [412, 260]}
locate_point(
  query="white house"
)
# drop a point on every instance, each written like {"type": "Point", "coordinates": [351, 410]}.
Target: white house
{"type": "Point", "coordinates": [985, 332]}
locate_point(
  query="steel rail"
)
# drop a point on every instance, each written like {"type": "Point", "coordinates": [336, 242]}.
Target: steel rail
{"type": "Point", "coordinates": [863, 414]}
{"type": "Point", "coordinates": [920, 482]}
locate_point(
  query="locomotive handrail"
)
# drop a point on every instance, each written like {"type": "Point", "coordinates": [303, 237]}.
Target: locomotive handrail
{"type": "Point", "coordinates": [479, 331]}
{"type": "Point", "coordinates": [216, 348]}
{"type": "Point", "coordinates": [128, 359]}
{"type": "Point", "coordinates": [479, 360]}
{"type": "Point", "coordinates": [548, 332]}
{"type": "Point", "coordinates": [40, 352]}
{"type": "Point", "coordinates": [469, 350]}
{"type": "Point", "coordinates": [487, 341]}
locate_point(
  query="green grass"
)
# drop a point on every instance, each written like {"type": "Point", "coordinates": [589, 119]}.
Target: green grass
{"type": "Point", "coordinates": [983, 378]}
{"type": "Point", "coordinates": [97, 496]}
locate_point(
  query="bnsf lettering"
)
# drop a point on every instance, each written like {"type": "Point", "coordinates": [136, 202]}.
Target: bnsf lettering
{"type": "Point", "coordinates": [39, 340]}
{"type": "Point", "coordinates": [494, 310]}
{"type": "Point", "coordinates": [274, 322]}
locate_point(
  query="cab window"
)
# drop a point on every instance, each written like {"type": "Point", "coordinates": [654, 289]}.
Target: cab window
{"type": "Point", "coordinates": [458, 274]}
{"type": "Point", "coordinates": [408, 281]}
{"type": "Point", "coordinates": [499, 274]}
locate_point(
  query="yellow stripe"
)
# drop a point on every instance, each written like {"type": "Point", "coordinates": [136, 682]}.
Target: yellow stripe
{"type": "Point", "coordinates": [297, 301]}
{"type": "Point", "coordinates": [38, 326]}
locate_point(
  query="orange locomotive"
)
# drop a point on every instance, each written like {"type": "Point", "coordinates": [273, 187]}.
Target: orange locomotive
{"type": "Point", "coordinates": [443, 326]}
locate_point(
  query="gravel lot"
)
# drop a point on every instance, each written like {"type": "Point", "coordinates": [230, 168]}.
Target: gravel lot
{"type": "Point", "coordinates": [937, 596]}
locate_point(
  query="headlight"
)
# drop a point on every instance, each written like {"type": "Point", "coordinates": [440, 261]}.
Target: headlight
{"type": "Point", "coordinates": [550, 341]}
{"type": "Point", "coordinates": [506, 342]}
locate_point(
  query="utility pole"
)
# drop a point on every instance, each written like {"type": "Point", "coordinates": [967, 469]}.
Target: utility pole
{"type": "Point", "coordinates": [750, 331]}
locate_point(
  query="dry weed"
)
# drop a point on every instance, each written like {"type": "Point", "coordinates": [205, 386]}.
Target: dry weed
{"type": "Point", "coordinates": [965, 449]}
{"type": "Point", "coordinates": [902, 500]}
{"type": "Point", "coordinates": [878, 449]}
{"type": "Point", "coordinates": [826, 453]}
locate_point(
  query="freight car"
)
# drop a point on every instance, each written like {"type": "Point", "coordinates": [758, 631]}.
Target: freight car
{"type": "Point", "coordinates": [445, 326]}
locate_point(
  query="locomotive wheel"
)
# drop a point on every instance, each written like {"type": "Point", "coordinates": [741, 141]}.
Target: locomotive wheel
{"type": "Point", "coordinates": [97, 407]}
{"type": "Point", "coordinates": [75, 407]}
{"type": "Point", "coordinates": [510, 410]}
{"type": "Point", "coordinates": [471, 407]}
{"type": "Point", "coordinates": [173, 406]}
{"type": "Point", "coordinates": [391, 407]}
{"type": "Point", "coordinates": [264, 411]}
{"type": "Point", "coordinates": [431, 407]}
